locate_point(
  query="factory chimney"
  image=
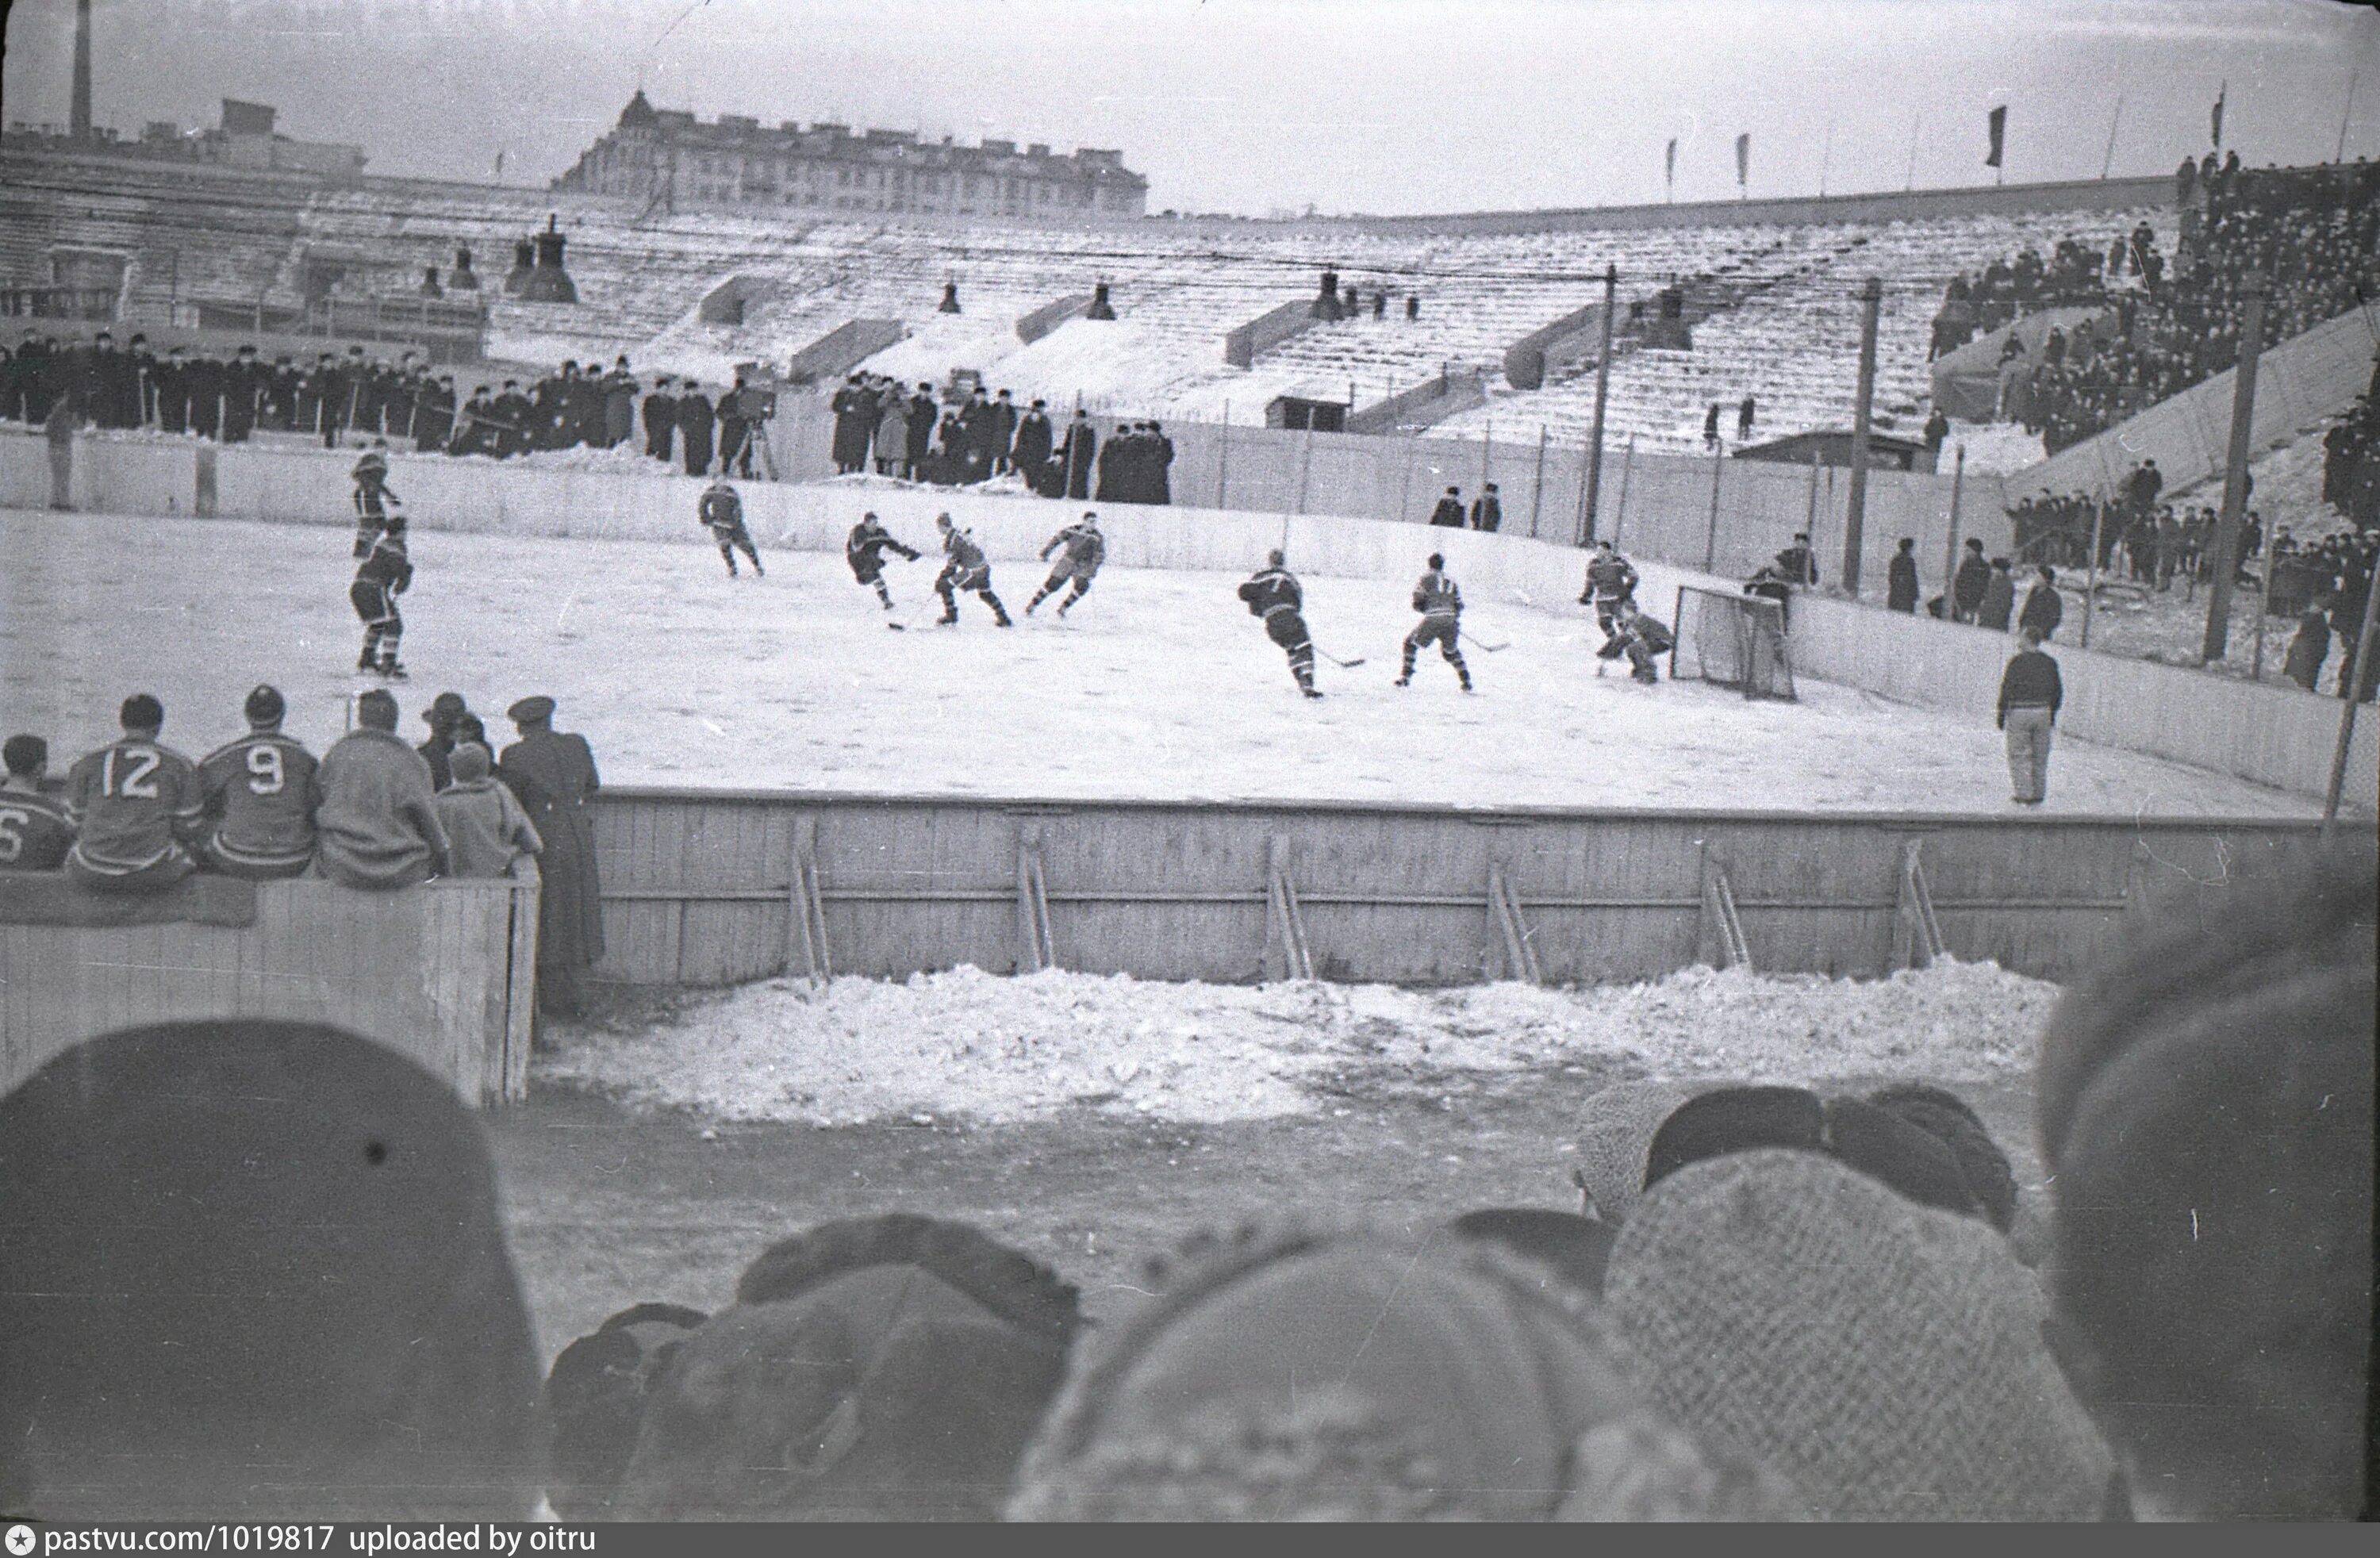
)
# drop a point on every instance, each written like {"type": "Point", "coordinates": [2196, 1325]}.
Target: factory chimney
{"type": "Point", "coordinates": [80, 124]}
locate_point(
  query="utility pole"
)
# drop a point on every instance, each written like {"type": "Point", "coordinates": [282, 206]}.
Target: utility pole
{"type": "Point", "coordinates": [2353, 674]}
{"type": "Point", "coordinates": [1951, 547]}
{"type": "Point", "coordinates": [2235, 475]}
{"type": "Point", "coordinates": [1710, 538]}
{"type": "Point", "coordinates": [1871, 301]}
{"type": "Point", "coordinates": [1602, 387]}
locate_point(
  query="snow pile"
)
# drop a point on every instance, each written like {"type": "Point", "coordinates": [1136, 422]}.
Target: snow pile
{"type": "Point", "coordinates": [1993, 448]}
{"type": "Point", "coordinates": [973, 1046]}
{"type": "Point", "coordinates": [943, 342]}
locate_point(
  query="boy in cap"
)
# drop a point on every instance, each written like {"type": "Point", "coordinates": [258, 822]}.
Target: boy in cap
{"type": "Point", "coordinates": [134, 804]}
{"type": "Point", "coordinates": [261, 794]}
{"type": "Point", "coordinates": [34, 832]}
{"type": "Point", "coordinates": [721, 513]}
{"type": "Point", "coordinates": [1440, 604]}
{"type": "Point", "coordinates": [486, 829]}
{"type": "Point", "coordinates": [377, 825]}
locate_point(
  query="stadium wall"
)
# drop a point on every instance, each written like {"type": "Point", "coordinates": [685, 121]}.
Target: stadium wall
{"type": "Point", "coordinates": [2268, 733]}
{"type": "Point", "coordinates": [703, 887]}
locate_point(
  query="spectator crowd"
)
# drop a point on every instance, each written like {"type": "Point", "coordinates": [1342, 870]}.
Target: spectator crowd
{"type": "Point", "coordinates": [954, 440]}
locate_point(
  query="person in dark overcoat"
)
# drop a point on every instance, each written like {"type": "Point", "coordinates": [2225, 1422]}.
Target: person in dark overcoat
{"type": "Point", "coordinates": [855, 423]}
{"type": "Point", "coordinates": [552, 775]}
{"type": "Point", "coordinates": [1031, 450]}
{"type": "Point", "coordinates": [661, 421]}
{"type": "Point", "coordinates": [1900, 579]}
{"type": "Point", "coordinates": [917, 447]}
{"type": "Point", "coordinates": [1080, 451]}
{"type": "Point", "coordinates": [695, 421]}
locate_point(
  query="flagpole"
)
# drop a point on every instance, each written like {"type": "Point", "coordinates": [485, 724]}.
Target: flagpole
{"type": "Point", "coordinates": [1915, 119]}
{"type": "Point", "coordinates": [2338, 154]}
{"type": "Point", "coordinates": [2112, 123]}
{"type": "Point", "coordinates": [1825, 159]}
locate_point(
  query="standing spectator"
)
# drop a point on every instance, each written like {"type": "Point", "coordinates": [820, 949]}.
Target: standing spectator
{"type": "Point", "coordinates": [1412, 305]}
{"type": "Point", "coordinates": [261, 794]}
{"type": "Point", "coordinates": [243, 387]}
{"type": "Point", "coordinates": [1004, 433]}
{"type": "Point", "coordinates": [516, 414]}
{"type": "Point", "coordinates": [1938, 427]}
{"type": "Point", "coordinates": [450, 724]}
{"type": "Point", "coordinates": [1967, 586]}
{"type": "Point", "coordinates": [1160, 467]}
{"type": "Point", "coordinates": [172, 383]}
{"type": "Point", "coordinates": [891, 435]}
{"type": "Point", "coordinates": [1999, 598]}
{"type": "Point", "coordinates": [855, 422]}
{"type": "Point", "coordinates": [735, 433]}
{"type": "Point", "coordinates": [917, 447]}
{"type": "Point", "coordinates": [34, 832]}
{"type": "Point", "coordinates": [2310, 647]}
{"type": "Point", "coordinates": [982, 432]}
{"type": "Point", "coordinates": [1487, 510]}
{"type": "Point", "coordinates": [2043, 609]}
{"type": "Point", "coordinates": [1796, 563]}
{"type": "Point", "coordinates": [1030, 451]}
{"type": "Point", "coordinates": [2029, 695]}
{"type": "Point", "coordinates": [486, 829]}
{"type": "Point", "coordinates": [552, 775]}
{"type": "Point", "coordinates": [619, 404]}
{"type": "Point", "coordinates": [695, 421]}
{"type": "Point", "coordinates": [1901, 588]}
{"type": "Point", "coordinates": [134, 804]}
{"type": "Point", "coordinates": [59, 429]}
{"type": "Point", "coordinates": [1744, 415]}
{"type": "Point", "coordinates": [376, 825]}
{"type": "Point", "coordinates": [434, 415]}
{"type": "Point", "coordinates": [2169, 546]}
{"type": "Point", "coordinates": [1710, 425]}
{"type": "Point", "coordinates": [661, 421]}
{"type": "Point", "coordinates": [1449, 511]}
{"type": "Point", "coordinates": [1080, 453]}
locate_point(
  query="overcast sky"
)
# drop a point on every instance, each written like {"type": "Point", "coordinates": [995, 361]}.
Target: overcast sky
{"type": "Point", "coordinates": [1254, 106]}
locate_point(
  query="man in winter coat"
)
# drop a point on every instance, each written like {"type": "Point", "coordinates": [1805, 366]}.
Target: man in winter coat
{"type": "Point", "coordinates": [1999, 598]}
{"type": "Point", "coordinates": [2043, 610]}
{"type": "Point", "coordinates": [2310, 647]}
{"type": "Point", "coordinates": [1900, 579]}
{"type": "Point", "coordinates": [661, 421]}
{"type": "Point", "coordinates": [1031, 449]}
{"type": "Point", "coordinates": [376, 826]}
{"type": "Point", "coordinates": [1449, 511]}
{"type": "Point", "coordinates": [1968, 585]}
{"type": "Point", "coordinates": [695, 421]}
{"type": "Point", "coordinates": [1079, 451]}
{"type": "Point", "coordinates": [1487, 510]}
{"type": "Point", "coordinates": [917, 449]}
{"type": "Point", "coordinates": [552, 775]}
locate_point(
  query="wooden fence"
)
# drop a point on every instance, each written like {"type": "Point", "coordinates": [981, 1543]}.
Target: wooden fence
{"type": "Point", "coordinates": [443, 973]}
{"type": "Point", "coordinates": [708, 888]}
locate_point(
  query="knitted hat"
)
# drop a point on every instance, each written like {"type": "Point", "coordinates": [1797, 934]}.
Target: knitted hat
{"type": "Point", "coordinates": [468, 761]}
{"type": "Point", "coordinates": [1295, 1375]}
{"type": "Point", "coordinates": [2204, 1107]}
{"type": "Point", "coordinates": [1885, 1357]}
{"type": "Point", "coordinates": [595, 1399]}
{"type": "Point", "coordinates": [890, 1368]}
{"type": "Point", "coordinates": [1615, 1133]}
{"type": "Point", "coordinates": [264, 705]}
{"type": "Point", "coordinates": [1950, 1120]}
{"type": "Point", "coordinates": [255, 1271]}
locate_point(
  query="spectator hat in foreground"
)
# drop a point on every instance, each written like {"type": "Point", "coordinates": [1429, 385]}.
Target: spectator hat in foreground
{"type": "Point", "coordinates": [532, 710]}
{"type": "Point", "coordinates": [1616, 1129]}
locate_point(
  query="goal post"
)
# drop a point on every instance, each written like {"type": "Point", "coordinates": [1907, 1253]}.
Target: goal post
{"type": "Point", "coordinates": [1735, 640]}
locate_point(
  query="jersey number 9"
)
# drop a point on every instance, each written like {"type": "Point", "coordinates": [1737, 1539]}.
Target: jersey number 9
{"type": "Point", "coordinates": [264, 772]}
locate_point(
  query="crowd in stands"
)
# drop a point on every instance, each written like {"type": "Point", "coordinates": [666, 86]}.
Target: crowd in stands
{"type": "Point", "coordinates": [880, 425]}
{"type": "Point", "coordinates": [2312, 234]}
{"type": "Point", "coordinates": [372, 812]}
{"type": "Point", "coordinates": [2350, 458]}
{"type": "Point", "coordinates": [1730, 1301]}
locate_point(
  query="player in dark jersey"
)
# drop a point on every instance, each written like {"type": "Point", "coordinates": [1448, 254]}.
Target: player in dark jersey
{"type": "Point", "coordinates": [1610, 579]}
{"type": "Point", "coordinates": [385, 575]}
{"type": "Point", "coordinates": [1642, 639]}
{"type": "Point", "coordinates": [1085, 549]}
{"type": "Point", "coordinates": [1440, 604]}
{"type": "Point", "coordinates": [372, 497]}
{"type": "Point", "coordinates": [864, 550]}
{"type": "Point", "coordinates": [965, 571]}
{"type": "Point", "coordinates": [134, 804]}
{"type": "Point", "coordinates": [261, 797]}
{"type": "Point", "coordinates": [1273, 594]}
{"type": "Point", "coordinates": [34, 831]}
{"type": "Point", "coordinates": [721, 512]}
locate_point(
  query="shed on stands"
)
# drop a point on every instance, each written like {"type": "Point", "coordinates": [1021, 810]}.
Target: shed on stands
{"type": "Point", "coordinates": [1299, 413]}
{"type": "Point", "coordinates": [1833, 446]}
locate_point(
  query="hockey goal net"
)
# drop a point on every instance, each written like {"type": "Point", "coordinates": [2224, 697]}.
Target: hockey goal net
{"type": "Point", "coordinates": [1735, 640]}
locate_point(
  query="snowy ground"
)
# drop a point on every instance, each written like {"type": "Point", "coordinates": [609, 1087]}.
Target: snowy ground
{"type": "Point", "coordinates": [1160, 684]}
{"type": "Point", "coordinates": [968, 1046]}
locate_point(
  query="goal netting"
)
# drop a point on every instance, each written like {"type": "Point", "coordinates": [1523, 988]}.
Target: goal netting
{"type": "Point", "coordinates": [1735, 640]}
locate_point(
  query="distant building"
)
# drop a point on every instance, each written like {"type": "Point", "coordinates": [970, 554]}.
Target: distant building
{"type": "Point", "coordinates": [245, 138]}
{"type": "Point", "coordinates": [666, 155]}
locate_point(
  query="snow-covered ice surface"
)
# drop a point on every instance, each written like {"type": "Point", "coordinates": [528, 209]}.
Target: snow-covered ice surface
{"type": "Point", "coordinates": [966, 1045]}
{"type": "Point", "coordinates": [1159, 686]}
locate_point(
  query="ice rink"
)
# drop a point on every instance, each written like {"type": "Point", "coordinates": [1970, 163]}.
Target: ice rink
{"type": "Point", "coordinates": [1159, 685]}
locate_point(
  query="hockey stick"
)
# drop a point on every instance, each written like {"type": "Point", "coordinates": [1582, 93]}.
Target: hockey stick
{"type": "Point", "coordinates": [1342, 664]}
{"type": "Point", "coordinates": [1491, 648]}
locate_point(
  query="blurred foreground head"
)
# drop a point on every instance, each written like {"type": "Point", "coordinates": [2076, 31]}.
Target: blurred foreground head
{"type": "Point", "coordinates": [2206, 1110]}
{"type": "Point", "coordinates": [254, 1271]}
{"type": "Point", "coordinates": [887, 1367]}
{"type": "Point", "coordinates": [1311, 1376]}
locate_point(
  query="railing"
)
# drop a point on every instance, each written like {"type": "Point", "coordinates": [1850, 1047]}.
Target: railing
{"type": "Point", "coordinates": [58, 303]}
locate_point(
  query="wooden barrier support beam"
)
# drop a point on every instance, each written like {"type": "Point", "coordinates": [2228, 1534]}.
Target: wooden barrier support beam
{"type": "Point", "coordinates": [1720, 941]}
{"type": "Point", "coordinates": [1504, 908]}
{"type": "Point", "coordinates": [1287, 956]}
{"type": "Point", "coordinates": [520, 982]}
{"type": "Point", "coordinates": [806, 948]}
{"type": "Point", "coordinates": [1036, 950]}
{"type": "Point", "coordinates": [1916, 934]}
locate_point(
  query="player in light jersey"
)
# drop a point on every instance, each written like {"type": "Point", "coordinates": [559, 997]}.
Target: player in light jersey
{"type": "Point", "coordinates": [1440, 604]}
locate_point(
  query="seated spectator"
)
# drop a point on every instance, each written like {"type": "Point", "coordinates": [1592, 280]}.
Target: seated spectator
{"type": "Point", "coordinates": [1950, 1120]}
{"type": "Point", "coordinates": [261, 797]}
{"type": "Point", "coordinates": [1297, 1375]}
{"type": "Point", "coordinates": [134, 805]}
{"type": "Point", "coordinates": [486, 829]}
{"type": "Point", "coordinates": [1885, 1357]}
{"type": "Point", "coordinates": [34, 832]}
{"type": "Point", "coordinates": [1860, 1135]}
{"type": "Point", "coordinates": [378, 824]}
{"type": "Point", "coordinates": [256, 1271]}
{"type": "Point", "coordinates": [2204, 1111]}
{"type": "Point", "coordinates": [887, 1367]}
{"type": "Point", "coordinates": [1615, 1134]}
{"type": "Point", "coordinates": [595, 1399]}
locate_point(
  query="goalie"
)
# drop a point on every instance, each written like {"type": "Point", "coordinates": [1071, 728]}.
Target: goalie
{"type": "Point", "coordinates": [1641, 639]}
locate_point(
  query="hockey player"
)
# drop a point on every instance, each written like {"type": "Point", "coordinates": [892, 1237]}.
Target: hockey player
{"type": "Point", "coordinates": [1440, 604]}
{"type": "Point", "coordinates": [371, 496]}
{"type": "Point", "coordinates": [1273, 594]}
{"type": "Point", "coordinates": [965, 571]}
{"type": "Point", "coordinates": [261, 796]}
{"type": "Point", "coordinates": [1085, 550]}
{"type": "Point", "coordinates": [1640, 637]}
{"type": "Point", "coordinates": [134, 805]}
{"type": "Point", "coordinates": [721, 513]}
{"type": "Point", "coordinates": [34, 832]}
{"type": "Point", "coordinates": [864, 550]}
{"type": "Point", "coordinates": [1610, 579]}
{"type": "Point", "coordinates": [385, 575]}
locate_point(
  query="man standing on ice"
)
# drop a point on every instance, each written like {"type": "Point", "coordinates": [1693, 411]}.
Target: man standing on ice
{"type": "Point", "coordinates": [1440, 604]}
{"type": "Point", "coordinates": [865, 551]}
{"type": "Point", "coordinates": [371, 496]}
{"type": "Point", "coordinates": [965, 571]}
{"type": "Point", "coordinates": [1085, 549]}
{"type": "Point", "coordinates": [1273, 594]}
{"type": "Point", "coordinates": [721, 513]}
{"type": "Point", "coordinates": [1610, 579]}
{"type": "Point", "coordinates": [385, 573]}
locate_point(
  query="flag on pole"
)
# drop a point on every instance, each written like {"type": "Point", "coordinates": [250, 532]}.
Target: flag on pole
{"type": "Point", "coordinates": [1999, 132]}
{"type": "Point", "coordinates": [1742, 159]}
{"type": "Point", "coordinates": [1669, 165]}
{"type": "Point", "coordinates": [2217, 118]}
{"type": "Point", "coordinates": [500, 164]}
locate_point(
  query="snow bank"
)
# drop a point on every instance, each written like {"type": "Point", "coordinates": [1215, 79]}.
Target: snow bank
{"type": "Point", "coordinates": [967, 1045]}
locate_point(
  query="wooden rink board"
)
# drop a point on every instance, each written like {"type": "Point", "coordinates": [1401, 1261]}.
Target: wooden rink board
{"type": "Point", "coordinates": [699, 887]}
{"type": "Point", "coordinates": [445, 973]}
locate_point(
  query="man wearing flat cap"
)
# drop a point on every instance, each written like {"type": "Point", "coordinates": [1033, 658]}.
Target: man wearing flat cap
{"type": "Point", "coordinates": [553, 776]}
